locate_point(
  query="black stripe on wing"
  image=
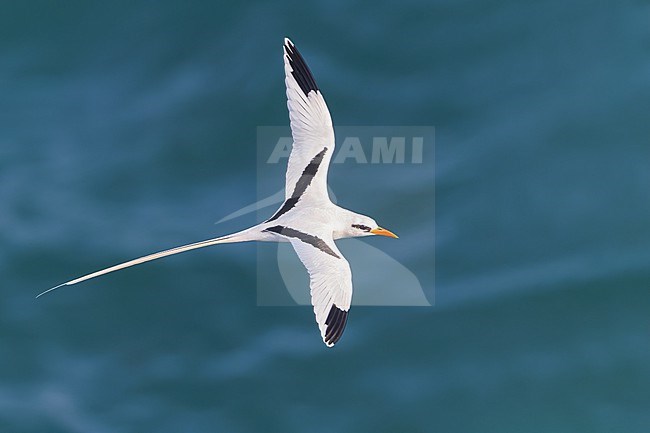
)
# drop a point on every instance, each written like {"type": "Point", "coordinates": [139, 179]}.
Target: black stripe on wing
{"type": "Point", "coordinates": [336, 320]}
{"type": "Point", "coordinates": [312, 240]}
{"type": "Point", "coordinates": [301, 186]}
{"type": "Point", "coordinates": [301, 71]}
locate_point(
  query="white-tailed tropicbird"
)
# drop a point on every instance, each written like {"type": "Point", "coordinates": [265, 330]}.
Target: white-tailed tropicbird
{"type": "Point", "coordinates": [307, 218]}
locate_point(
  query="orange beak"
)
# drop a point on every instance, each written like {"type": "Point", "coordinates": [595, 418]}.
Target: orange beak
{"type": "Point", "coordinates": [383, 232]}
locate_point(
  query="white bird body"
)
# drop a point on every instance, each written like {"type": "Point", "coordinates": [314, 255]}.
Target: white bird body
{"type": "Point", "coordinates": [307, 218]}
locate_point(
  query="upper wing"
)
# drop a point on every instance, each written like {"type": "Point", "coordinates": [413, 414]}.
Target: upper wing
{"type": "Point", "coordinates": [330, 279]}
{"type": "Point", "coordinates": [311, 127]}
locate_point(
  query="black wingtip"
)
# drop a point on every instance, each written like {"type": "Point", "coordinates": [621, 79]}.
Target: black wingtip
{"type": "Point", "coordinates": [300, 70]}
{"type": "Point", "coordinates": [336, 321]}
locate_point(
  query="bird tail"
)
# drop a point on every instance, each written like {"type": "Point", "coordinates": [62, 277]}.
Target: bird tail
{"type": "Point", "coordinates": [242, 236]}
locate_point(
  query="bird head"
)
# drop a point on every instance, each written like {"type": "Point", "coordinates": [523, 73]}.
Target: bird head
{"type": "Point", "coordinates": [362, 225]}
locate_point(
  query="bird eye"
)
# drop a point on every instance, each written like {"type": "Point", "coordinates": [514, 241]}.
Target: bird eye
{"type": "Point", "coordinates": [361, 227]}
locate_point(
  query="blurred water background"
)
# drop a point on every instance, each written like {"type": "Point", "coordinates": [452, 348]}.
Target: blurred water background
{"type": "Point", "coordinates": [129, 127]}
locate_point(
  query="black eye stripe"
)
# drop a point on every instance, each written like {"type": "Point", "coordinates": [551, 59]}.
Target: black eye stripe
{"type": "Point", "coordinates": [361, 227]}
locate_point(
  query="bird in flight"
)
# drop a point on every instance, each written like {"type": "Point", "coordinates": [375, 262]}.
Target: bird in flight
{"type": "Point", "coordinates": [307, 218]}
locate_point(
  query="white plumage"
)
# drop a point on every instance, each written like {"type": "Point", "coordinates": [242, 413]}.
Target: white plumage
{"type": "Point", "coordinates": [307, 218]}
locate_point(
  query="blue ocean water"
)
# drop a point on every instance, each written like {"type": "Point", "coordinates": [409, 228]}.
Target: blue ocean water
{"type": "Point", "coordinates": [129, 127]}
